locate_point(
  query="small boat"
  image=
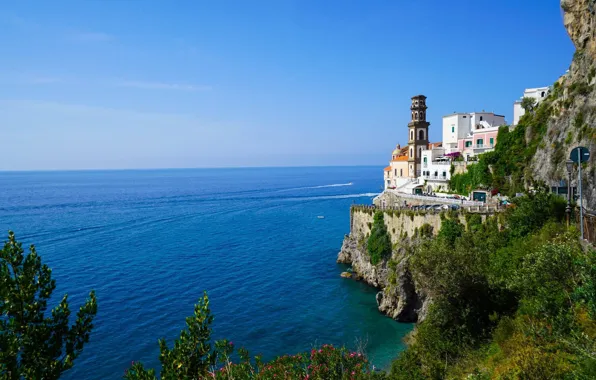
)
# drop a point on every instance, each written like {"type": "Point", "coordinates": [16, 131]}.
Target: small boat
{"type": "Point", "coordinates": [321, 217]}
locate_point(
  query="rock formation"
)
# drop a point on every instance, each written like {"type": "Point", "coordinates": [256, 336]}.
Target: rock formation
{"type": "Point", "coordinates": [398, 298]}
{"type": "Point", "coordinates": [573, 102]}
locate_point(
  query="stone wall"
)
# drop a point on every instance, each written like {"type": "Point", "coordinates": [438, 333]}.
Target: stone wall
{"type": "Point", "coordinates": [400, 223]}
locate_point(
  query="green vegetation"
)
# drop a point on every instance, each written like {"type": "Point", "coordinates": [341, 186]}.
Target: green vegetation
{"type": "Point", "coordinates": [528, 104]}
{"type": "Point", "coordinates": [34, 345]}
{"type": "Point", "coordinates": [505, 168]}
{"type": "Point", "coordinates": [511, 300]}
{"type": "Point", "coordinates": [379, 243]}
{"type": "Point", "coordinates": [194, 356]}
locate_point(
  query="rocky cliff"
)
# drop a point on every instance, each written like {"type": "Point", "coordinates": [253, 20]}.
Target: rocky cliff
{"type": "Point", "coordinates": [398, 296]}
{"type": "Point", "coordinates": [572, 104]}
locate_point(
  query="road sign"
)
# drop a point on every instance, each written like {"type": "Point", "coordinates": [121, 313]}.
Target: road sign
{"type": "Point", "coordinates": [580, 154]}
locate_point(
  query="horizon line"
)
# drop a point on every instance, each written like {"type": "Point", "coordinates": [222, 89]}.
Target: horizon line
{"type": "Point", "coordinates": [186, 168]}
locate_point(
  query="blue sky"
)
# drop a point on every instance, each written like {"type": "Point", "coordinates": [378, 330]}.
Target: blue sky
{"type": "Point", "coordinates": [160, 84]}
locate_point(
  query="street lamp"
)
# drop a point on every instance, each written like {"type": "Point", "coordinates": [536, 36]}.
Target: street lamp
{"type": "Point", "coordinates": [569, 165]}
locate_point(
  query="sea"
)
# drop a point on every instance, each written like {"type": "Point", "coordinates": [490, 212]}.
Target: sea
{"type": "Point", "coordinates": [262, 242]}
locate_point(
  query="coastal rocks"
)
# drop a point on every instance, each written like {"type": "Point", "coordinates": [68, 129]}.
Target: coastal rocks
{"type": "Point", "coordinates": [402, 301]}
{"type": "Point", "coordinates": [399, 300]}
{"type": "Point", "coordinates": [346, 274]}
{"type": "Point", "coordinates": [354, 252]}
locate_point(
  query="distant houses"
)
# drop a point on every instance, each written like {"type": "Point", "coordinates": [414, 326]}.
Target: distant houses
{"type": "Point", "coordinates": [539, 93]}
{"type": "Point", "coordinates": [426, 167]}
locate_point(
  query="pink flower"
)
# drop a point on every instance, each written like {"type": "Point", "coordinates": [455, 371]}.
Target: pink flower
{"type": "Point", "coordinates": [353, 373]}
{"type": "Point", "coordinates": [231, 343]}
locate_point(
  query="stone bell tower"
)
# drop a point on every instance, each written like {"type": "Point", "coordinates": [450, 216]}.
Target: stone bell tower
{"type": "Point", "coordinates": [417, 134]}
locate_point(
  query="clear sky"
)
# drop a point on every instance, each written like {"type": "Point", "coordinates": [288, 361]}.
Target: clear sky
{"type": "Point", "coordinates": [160, 84]}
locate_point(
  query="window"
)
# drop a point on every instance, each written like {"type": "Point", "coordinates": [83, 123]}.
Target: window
{"type": "Point", "coordinates": [411, 152]}
{"type": "Point", "coordinates": [479, 142]}
{"type": "Point", "coordinates": [394, 171]}
{"type": "Point", "coordinates": [480, 118]}
{"type": "Point", "coordinates": [401, 172]}
{"type": "Point", "coordinates": [464, 117]}
{"type": "Point", "coordinates": [419, 152]}
{"type": "Point", "coordinates": [421, 135]}
{"type": "Point", "coordinates": [542, 95]}
{"type": "Point", "coordinates": [444, 174]}
{"type": "Point", "coordinates": [416, 115]}
{"type": "Point", "coordinates": [492, 141]}
{"type": "Point", "coordinates": [453, 129]}
{"type": "Point", "coordinates": [411, 135]}
{"type": "Point", "coordinates": [425, 160]}
{"type": "Point", "coordinates": [468, 144]}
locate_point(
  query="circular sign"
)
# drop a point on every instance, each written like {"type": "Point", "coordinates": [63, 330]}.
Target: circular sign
{"type": "Point", "coordinates": [580, 154]}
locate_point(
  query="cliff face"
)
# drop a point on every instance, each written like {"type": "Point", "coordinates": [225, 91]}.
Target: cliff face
{"type": "Point", "coordinates": [573, 105]}
{"type": "Point", "coordinates": [398, 296]}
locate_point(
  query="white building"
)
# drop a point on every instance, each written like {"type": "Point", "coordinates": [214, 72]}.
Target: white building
{"type": "Point", "coordinates": [539, 94]}
{"type": "Point", "coordinates": [455, 126]}
{"type": "Point", "coordinates": [435, 168]}
{"type": "Point", "coordinates": [468, 132]}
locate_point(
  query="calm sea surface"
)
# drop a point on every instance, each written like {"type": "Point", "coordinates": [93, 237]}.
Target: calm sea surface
{"type": "Point", "coordinates": [150, 242]}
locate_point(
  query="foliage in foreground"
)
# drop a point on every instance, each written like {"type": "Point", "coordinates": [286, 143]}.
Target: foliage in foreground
{"type": "Point", "coordinates": [513, 299]}
{"type": "Point", "coordinates": [34, 345]}
{"type": "Point", "coordinates": [195, 357]}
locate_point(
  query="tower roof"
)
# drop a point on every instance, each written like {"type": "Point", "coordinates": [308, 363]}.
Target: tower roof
{"type": "Point", "coordinates": [419, 96]}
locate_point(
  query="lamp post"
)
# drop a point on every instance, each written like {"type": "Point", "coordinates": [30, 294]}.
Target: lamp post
{"type": "Point", "coordinates": [569, 164]}
{"type": "Point", "coordinates": [579, 155]}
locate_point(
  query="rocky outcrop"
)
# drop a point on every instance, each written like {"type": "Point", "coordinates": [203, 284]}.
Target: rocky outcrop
{"type": "Point", "coordinates": [398, 296]}
{"type": "Point", "coordinates": [352, 253]}
{"type": "Point", "coordinates": [573, 105]}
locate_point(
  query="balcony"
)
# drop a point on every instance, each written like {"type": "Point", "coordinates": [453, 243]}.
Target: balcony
{"type": "Point", "coordinates": [440, 177]}
{"type": "Point", "coordinates": [483, 147]}
{"type": "Point", "coordinates": [426, 164]}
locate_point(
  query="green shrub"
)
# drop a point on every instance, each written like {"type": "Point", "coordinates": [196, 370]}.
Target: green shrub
{"type": "Point", "coordinates": [379, 243]}
{"type": "Point", "coordinates": [193, 356]}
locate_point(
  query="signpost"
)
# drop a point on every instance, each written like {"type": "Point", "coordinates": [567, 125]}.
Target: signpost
{"type": "Point", "coordinates": [580, 155]}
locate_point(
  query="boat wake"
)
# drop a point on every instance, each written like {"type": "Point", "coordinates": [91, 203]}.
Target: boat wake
{"type": "Point", "coordinates": [341, 196]}
{"type": "Point", "coordinates": [320, 187]}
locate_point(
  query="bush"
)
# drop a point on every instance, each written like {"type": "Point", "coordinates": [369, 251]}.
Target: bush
{"type": "Point", "coordinates": [194, 357]}
{"type": "Point", "coordinates": [518, 302]}
{"type": "Point", "coordinates": [379, 243]}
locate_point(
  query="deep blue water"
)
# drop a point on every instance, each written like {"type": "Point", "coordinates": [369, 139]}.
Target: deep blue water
{"type": "Point", "coordinates": [150, 242]}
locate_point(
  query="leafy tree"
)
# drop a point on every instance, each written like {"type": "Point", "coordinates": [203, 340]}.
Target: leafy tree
{"type": "Point", "coordinates": [194, 357]}
{"type": "Point", "coordinates": [450, 230]}
{"type": "Point", "coordinates": [532, 211]}
{"type": "Point", "coordinates": [528, 104]}
{"type": "Point", "coordinates": [191, 356]}
{"type": "Point", "coordinates": [34, 345]}
{"type": "Point", "coordinates": [379, 243]}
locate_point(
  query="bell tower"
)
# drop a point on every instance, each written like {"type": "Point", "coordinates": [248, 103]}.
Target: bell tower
{"type": "Point", "coordinates": [417, 134]}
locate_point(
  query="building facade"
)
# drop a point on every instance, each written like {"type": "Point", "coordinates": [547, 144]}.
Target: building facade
{"type": "Point", "coordinates": [539, 93]}
{"type": "Point", "coordinates": [471, 133]}
{"type": "Point", "coordinates": [397, 173]}
{"type": "Point", "coordinates": [418, 134]}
